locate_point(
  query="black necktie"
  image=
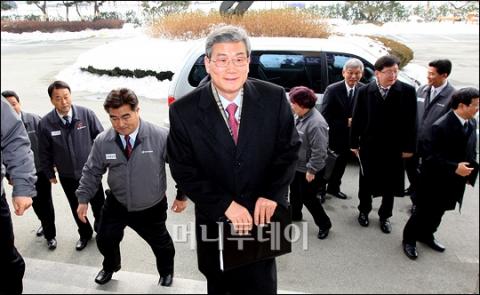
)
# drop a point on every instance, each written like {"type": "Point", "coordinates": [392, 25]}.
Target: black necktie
{"type": "Point", "coordinates": [350, 96]}
{"type": "Point", "coordinates": [465, 127]}
{"type": "Point", "coordinates": [67, 121]}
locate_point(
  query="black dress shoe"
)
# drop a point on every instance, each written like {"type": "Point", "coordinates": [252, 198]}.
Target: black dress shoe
{"type": "Point", "coordinates": [410, 250]}
{"type": "Point", "coordinates": [82, 243]}
{"type": "Point", "coordinates": [434, 244]}
{"type": "Point", "coordinates": [52, 244]}
{"type": "Point", "coordinates": [385, 226]}
{"type": "Point", "coordinates": [323, 233]}
{"type": "Point", "coordinates": [166, 280]}
{"type": "Point", "coordinates": [104, 276]}
{"type": "Point", "coordinates": [39, 231]}
{"type": "Point", "coordinates": [363, 219]}
{"type": "Point", "coordinates": [339, 195]}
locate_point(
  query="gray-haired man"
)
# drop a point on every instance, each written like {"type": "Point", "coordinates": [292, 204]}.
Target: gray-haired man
{"type": "Point", "coordinates": [236, 158]}
{"type": "Point", "coordinates": [337, 107]}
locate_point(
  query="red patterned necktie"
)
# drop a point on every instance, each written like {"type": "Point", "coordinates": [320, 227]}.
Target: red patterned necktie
{"type": "Point", "coordinates": [128, 146]}
{"type": "Point", "coordinates": [232, 121]}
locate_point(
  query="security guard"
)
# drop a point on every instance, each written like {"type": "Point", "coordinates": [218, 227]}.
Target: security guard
{"type": "Point", "coordinates": [42, 203]}
{"type": "Point", "coordinates": [66, 138]}
{"type": "Point", "coordinates": [134, 153]}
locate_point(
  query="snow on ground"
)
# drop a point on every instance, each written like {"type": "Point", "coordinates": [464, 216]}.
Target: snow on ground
{"type": "Point", "coordinates": [136, 50]}
{"type": "Point", "coordinates": [11, 38]}
{"type": "Point", "coordinates": [140, 52]}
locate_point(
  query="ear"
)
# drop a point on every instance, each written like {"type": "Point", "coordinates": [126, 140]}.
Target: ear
{"type": "Point", "coordinates": [206, 61]}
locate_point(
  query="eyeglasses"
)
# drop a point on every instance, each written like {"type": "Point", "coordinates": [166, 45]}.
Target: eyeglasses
{"type": "Point", "coordinates": [390, 73]}
{"type": "Point", "coordinates": [236, 61]}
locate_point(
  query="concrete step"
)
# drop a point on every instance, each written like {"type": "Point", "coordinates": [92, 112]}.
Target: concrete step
{"type": "Point", "coordinates": [51, 277]}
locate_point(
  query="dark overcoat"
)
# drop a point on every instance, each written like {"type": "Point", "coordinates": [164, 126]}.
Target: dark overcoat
{"type": "Point", "coordinates": [213, 171]}
{"type": "Point", "coordinates": [382, 129]}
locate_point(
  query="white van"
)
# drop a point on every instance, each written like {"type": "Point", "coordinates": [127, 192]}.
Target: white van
{"type": "Point", "coordinates": [289, 62]}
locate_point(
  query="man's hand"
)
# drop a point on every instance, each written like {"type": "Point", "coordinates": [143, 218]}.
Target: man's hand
{"type": "Point", "coordinates": [53, 180]}
{"type": "Point", "coordinates": [463, 169]}
{"type": "Point", "coordinates": [407, 155]}
{"type": "Point", "coordinates": [21, 203]}
{"type": "Point", "coordinates": [82, 210]}
{"type": "Point", "coordinates": [179, 205]}
{"type": "Point", "coordinates": [264, 209]}
{"type": "Point", "coordinates": [309, 177]}
{"type": "Point", "coordinates": [240, 218]}
{"type": "Point", "coordinates": [349, 124]}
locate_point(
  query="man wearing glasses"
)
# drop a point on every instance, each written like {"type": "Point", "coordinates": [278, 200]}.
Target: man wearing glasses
{"type": "Point", "coordinates": [232, 149]}
{"type": "Point", "coordinates": [383, 134]}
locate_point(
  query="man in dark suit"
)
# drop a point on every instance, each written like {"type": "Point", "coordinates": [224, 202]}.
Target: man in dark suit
{"type": "Point", "coordinates": [232, 149]}
{"type": "Point", "coordinates": [383, 135]}
{"type": "Point", "coordinates": [433, 101]}
{"type": "Point", "coordinates": [337, 107]}
{"type": "Point", "coordinates": [449, 163]}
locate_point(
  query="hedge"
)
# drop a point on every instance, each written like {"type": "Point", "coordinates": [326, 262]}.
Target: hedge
{"type": "Point", "coordinates": [117, 72]}
{"type": "Point", "coordinates": [58, 26]}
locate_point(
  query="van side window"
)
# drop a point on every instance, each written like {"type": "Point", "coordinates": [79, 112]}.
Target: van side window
{"type": "Point", "coordinates": [287, 69]}
{"type": "Point", "coordinates": [335, 62]}
{"type": "Point", "coordinates": [198, 72]}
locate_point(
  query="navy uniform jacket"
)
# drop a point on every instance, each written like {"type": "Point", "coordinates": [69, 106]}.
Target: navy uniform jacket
{"type": "Point", "coordinates": [436, 108]}
{"type": "Point", "coordinates": [31, 122]}
{"type": "Point", "coordinates": [67, 148]}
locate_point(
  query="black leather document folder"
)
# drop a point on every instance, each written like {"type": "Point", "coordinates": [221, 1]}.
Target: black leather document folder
{"type": "Point", "coordinates": [263, 242]}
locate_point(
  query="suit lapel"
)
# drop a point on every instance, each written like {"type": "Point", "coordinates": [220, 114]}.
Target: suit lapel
{"type": "Point", "coordinates": [212, 120]}
{"type": "Point", "coordinates": [344, 94]}
{"type": "Point", "coordinates": [373, 89]}
{"type": "Point", "coordinates": [252, 116]}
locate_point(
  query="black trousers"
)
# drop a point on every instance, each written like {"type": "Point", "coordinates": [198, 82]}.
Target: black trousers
{"type": "Point", "coordinates": [412, 169]}
{"type": "Point", "coordinates": [43, 206]}
{"type": "Point", "coordinates": [338, 171]}
{"type": "Point", "coordinates": [424, 222]}
{"type": "Point", "coordinates": [255, 278]}
{"type": "Point", "coordinates": [11, 262]}
{"type": "Point", "coordinates": [149, 224]}
{"type": "Point", "coordinates": [305, 193]}
{"type": "Point", "coordinates": [69, 186]}
{"type": "Point", "coordinates": [365, 196]}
